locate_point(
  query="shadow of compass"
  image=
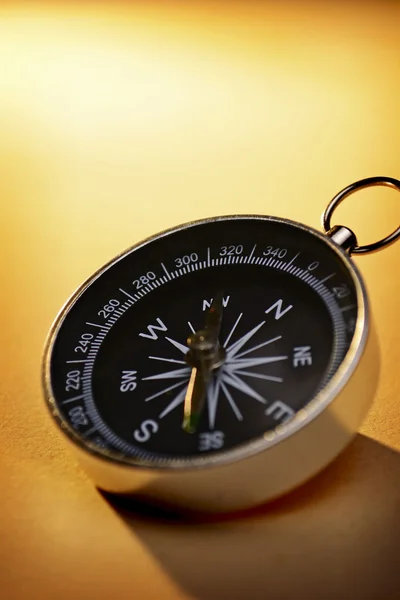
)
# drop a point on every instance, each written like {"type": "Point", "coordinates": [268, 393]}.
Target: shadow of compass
{"type": "Point", "coordinates": [338, 536]}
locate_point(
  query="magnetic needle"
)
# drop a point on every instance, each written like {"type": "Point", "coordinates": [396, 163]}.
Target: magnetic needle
{"type": "Point", "coordinates": [218, 364]}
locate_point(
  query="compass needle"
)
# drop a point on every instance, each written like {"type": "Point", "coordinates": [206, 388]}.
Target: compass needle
{"type": "Point", "coordinates": [205, 355]}
{"type": "Point", "coordinates": [194, 398]}
{"type": "Point", "coordinates": [177, 366]}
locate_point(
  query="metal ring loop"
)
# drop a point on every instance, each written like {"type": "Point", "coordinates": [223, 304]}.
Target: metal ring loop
{"type": "Point", "coordinates": [358, 185]}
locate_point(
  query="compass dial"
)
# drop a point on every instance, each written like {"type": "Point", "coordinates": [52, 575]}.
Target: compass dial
{"type": "Point", "coordinates": [118, 359]}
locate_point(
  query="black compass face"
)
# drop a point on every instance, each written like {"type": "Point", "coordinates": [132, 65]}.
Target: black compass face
{"type": "Point", "coordinates": [120, 368]}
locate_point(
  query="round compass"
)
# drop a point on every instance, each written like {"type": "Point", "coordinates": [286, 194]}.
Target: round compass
{"type": "Point", "coordinates": [215, 365]}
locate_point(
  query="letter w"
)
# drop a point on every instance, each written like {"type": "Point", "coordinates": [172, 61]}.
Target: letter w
{"type": "Point", "coordinates": [152, 330]}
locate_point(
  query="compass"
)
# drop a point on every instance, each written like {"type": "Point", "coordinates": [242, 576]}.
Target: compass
{"type": "Point", "coordinates": [218, 364]}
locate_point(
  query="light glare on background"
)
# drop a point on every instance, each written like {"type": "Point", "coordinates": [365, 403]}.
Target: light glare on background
{"type": "Point", "coordinates": [118, 120]}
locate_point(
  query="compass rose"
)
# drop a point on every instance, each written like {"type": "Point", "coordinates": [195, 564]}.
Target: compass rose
{"type": "Point", "coordinates": [236, 373]}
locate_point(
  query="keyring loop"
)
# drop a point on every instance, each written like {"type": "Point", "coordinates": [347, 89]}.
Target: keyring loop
{"type": "Point", "coordinates": [358, 185]}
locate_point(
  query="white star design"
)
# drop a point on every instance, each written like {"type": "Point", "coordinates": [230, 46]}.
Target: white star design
{"type": "Point", "coordinates": [230, 376]}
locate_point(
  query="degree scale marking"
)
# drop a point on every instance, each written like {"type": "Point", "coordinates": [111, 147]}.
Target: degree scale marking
{"type": "Point", "coordinates": [303, 274]}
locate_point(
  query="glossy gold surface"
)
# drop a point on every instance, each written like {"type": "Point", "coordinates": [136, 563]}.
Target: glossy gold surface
{"type": "Point", "coordinates": [121, 119]}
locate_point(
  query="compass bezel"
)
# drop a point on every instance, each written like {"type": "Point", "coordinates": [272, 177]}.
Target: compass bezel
{"type": "Point", "coordinates": [223, 457]}
{"type": "Point", "coordinates": [313, 407]}
{"type": "Point", "coordinates": [259, 470]}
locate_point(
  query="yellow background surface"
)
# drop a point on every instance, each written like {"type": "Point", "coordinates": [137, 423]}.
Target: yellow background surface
{"type": "Point", "coordinates": [118, 120]}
